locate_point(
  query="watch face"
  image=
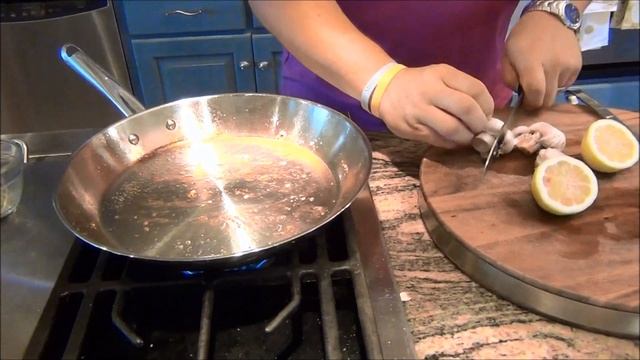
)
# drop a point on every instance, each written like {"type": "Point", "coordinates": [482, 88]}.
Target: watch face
{"type": "Point", "coordinates": [571, 13]}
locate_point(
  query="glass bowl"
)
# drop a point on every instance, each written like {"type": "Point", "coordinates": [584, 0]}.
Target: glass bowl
{"type": "Point", "coordinates": [11, 168]}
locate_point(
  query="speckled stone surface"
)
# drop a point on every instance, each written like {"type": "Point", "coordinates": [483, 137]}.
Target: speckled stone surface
{"type": "Point", "coordinates": [451, 316]}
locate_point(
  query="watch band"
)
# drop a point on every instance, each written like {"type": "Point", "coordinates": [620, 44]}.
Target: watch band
{"type": "Point", "coordinates": [557, 8]}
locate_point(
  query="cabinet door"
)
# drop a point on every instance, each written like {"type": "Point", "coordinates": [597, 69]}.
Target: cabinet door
{"type": "Point", "coordinates": [266, 52]}
{"type": "Point", "coordinates": [176, 68]}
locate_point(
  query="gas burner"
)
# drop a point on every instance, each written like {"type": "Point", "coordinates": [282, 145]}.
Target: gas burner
{"type": "Point", "coordinates": [253, 266]}
{"type": "Point", "coordinates": [310, 300]}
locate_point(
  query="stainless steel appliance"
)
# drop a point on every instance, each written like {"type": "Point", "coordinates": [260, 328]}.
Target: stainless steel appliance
{"type": "Point", "coordinates": [39, 92]}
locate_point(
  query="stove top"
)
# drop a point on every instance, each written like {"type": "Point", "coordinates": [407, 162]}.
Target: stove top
{"type": "Point", "coordinates": [328, 295]}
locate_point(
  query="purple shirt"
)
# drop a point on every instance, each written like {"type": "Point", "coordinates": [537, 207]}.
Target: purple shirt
{"type": "Point", "coordinates": [468, 35]}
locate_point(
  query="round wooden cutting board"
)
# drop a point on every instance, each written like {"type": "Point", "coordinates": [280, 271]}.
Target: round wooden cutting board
{"type": "Point", "coordinates": [583, 269]}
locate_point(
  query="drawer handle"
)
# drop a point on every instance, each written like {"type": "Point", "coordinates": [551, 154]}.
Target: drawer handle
{"type": "Point", "coordinates": [185, 12]}
{"type": "Point", "coordinates": [244, 65]}
{"type": "Point", "coordinates": [263, 65]}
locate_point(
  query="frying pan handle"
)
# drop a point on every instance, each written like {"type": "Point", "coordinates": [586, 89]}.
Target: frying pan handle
{"type": "Point", "coordinates": [77, 60]}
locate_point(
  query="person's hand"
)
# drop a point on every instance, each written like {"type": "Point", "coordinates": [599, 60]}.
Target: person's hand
{"type": "Point", "coordinates": [541, 55]}
{"type": "Point", "coordinates": [437, 104]}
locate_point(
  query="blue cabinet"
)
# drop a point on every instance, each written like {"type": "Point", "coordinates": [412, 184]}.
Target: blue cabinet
{"type": "Point", "coordinates": [620, 93]}
{"type": "Point", "coordinates": [171, 17]}
{"type": "Point", "coordinates": [615, 94]}
{"type": "Point", "coordinates": [178, 49]}
{"type": "Point", "coordinates": [267, 52]}
{"type": "Point", "coordinates": [175, 68]}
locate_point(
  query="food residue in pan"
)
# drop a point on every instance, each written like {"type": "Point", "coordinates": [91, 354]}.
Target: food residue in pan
{"type": "Point", "coordinates": [254, 190]}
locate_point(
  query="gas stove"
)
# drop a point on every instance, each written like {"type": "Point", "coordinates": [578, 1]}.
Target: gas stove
{"type": "Point", "coordinates": [328, 295]}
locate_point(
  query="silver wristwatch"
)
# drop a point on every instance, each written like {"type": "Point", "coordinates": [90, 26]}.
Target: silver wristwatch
{"type": "Point", "coordinates": [563, 9]}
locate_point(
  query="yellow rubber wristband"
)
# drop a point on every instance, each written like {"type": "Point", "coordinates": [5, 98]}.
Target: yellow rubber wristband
{"type": "Point", "coordinates": [382, 86]}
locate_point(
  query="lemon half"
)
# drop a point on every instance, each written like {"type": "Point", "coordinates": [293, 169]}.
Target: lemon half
{"type": "Point", "coordinates": [609, 146]}
{"type": "Point", "coordinates": [564, 186]}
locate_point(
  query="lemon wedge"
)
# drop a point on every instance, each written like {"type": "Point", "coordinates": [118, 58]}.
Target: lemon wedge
{"type": "Point", "coordinates": [609, 146]}
{"type": "Point", "coordinates": [564, 186]}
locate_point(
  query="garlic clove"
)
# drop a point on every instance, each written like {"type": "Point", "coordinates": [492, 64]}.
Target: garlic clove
{"type": "Point", "coordinates": [528, 143]}
{"type": "Point", "coordinates": [553, 142]}
{"type": "Point", "coordinates": [482, 142]}
{"type": "Point", "coordinates": [508, 143]}
{"type": "Point", "coordinates": [546, 154]}
{"type": "Point", "coordinates": [493, 126]}
{"type": "Point", "coordinates": [550, 137]}
{"type": "Point", "coordinates": [519, 130]}
{"type": "Point", "coordinates": [541, 127]}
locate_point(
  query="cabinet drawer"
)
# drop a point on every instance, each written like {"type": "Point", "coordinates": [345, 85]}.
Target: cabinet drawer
{"type": "Point", "coordinates": [176, 68]}
{"type": "Point", "coordinates": [170, 17]}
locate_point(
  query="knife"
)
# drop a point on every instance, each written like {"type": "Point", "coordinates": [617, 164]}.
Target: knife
{"type": "Point", "coordinates": [494, 151]}
{"type": "Point", "coordinates": [573, 95]}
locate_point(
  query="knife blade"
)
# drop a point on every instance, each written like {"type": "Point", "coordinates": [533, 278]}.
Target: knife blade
{"type": "Point", "coordinates": [589, 101]}
{"type": "Point", "coordinates": [494, 151]}
{"type": "Point", "coordinates": [574, 96]}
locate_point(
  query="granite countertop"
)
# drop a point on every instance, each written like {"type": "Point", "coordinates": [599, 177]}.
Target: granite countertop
{"type": "Point", "coordinates": [451, 316]}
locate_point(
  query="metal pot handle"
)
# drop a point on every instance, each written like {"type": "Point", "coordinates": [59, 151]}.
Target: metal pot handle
{"type": "Point", "coordinates": [24, 147]}
{"type": "Point", "coordinates": [77, 60]}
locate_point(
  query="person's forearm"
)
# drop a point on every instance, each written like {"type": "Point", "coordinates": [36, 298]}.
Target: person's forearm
{"type": "Point", "coordinates": [324, 40]}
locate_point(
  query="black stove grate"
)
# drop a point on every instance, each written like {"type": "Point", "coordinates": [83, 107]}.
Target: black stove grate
{"type": "Point", "coordinates": [307, 301]}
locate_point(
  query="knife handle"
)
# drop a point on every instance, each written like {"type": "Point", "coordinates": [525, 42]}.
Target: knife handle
{"type": "Point", "coordinates": [517, 97]}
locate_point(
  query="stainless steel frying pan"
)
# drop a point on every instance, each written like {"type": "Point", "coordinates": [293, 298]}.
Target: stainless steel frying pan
{"type": "Point", "coordinates": [209, 179]}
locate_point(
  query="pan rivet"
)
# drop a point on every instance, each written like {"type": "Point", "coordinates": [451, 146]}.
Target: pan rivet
{"type": "Point", "coordinates": [134, 139]}
{"type": "Point", "coordinates": [170, 124]}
